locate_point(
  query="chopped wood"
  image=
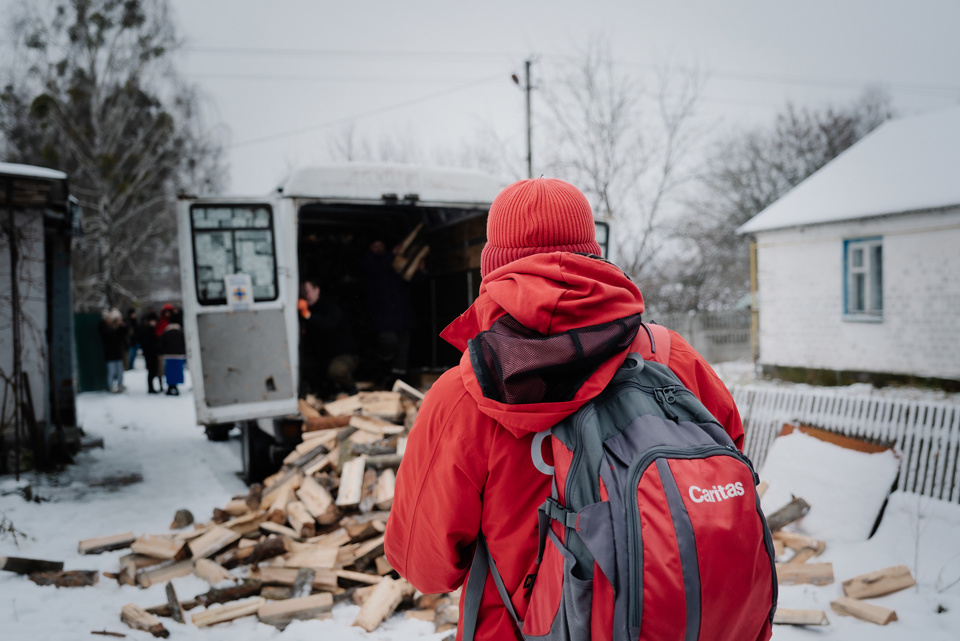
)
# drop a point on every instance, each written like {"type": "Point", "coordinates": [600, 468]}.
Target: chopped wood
{"type": "Point", "coordinates": [762, 488]}
{"type": "Point", "coordinates": [414, 263]}
{"type": "Point", "coordinates": [322, 462]}
{"type": "Point", "coordinates": [248, 588]}
{"type": "Point", "coordinates": [399, 259]}
{"type": "Point", "coordinates": [248, 542]}
{"type": "Point", "coordinates": [375, 426]}
{"type": "Point", "coordinates": [253, 497]}
{"type": "Point", "coordinates": [236, 507]}
{"type": "Point", "coordinates": [276, 592]}
{"type": "Point", "coordinates": [879, 582]}
{"type": "Point", "coordinates": [247, 523]}
{"type": "Point", "coordinates": [270, 547]}
{"type": "Point", "coordinates": [385, 405]}
{"type": "Point", "coordinates": [225, 613]}
{"type": "Point", "coordinates": [181, 519]}
{"type": "Point", "coordinates": [407, 390]}
{"type": "Point", "coordinates": [329, 436]}
{"type": "Point", "coordinates": [306, 410]}
{"type": "Point", "coordinates": [363, 526]}
{"type": "Point", "coordinates": [275, 528]}
{"type": "Point", "coordinates": [401, 445]}
{"type": "Point", "coordinates": [447, 617]}
{"type": "Point", "coordinates": [176, 610]}
{"type": "Point", "coordinates": [303, 584]}
{"type": "Point", "coordinates": [278, 499]}
{"type": "Point", "coordinates": [343, 406]}
{"type": "Point", "coordinates": [361, 577]}
{"type": "Point", "coordinates": [383, 566]}
{"type": "Point", "coordinates": [139, 619]}
{"type": "Point", "coordinates": [322, 424]}
{"type": "Point", "coordinates": [383, 497]}
{"type": "Point", "coordinates": [338, 537]}
{"type": "Point", "coordinates": [130, 564]}
{"type": "Point", "coordinates": [385, 460]}
{"type": "Point", "coordinates": [813, 573]}
{"type": "Point", "coordinates": [796, 541]}
{"type": "Point", "coordinates": [421, 615]}
{"type": "Point", "coordinates": [301, 520]}
{"type": "Point", "coordinates": [317, 557]}
{"type": "Point", "coordinates": [325, 580]}
{"type": "Point", "coordinates": [280, 613]}
{"type": "Point", "coordinates": [351, 482]}
{"type": "Point", "coordinates": [368, 492]}
{"type": "Point", "coordinates": [787, 616]}
{"type": "Point", "coordinates": [212, 572]}
{"type": "Point", "coordinates": [848, 606]}
{"type": "Point", "coordinates": [160, 547]}
{"type": "Point", "coordinates": [357, 438]}
{"type": "Point", "coordinates": [164, 609]}
{"type": "Point", "coordinates": [67, 578]}
{"type": "Point", "coordinates": [212, 542]}
{"type": "Point", "coordinates": [107, 633]}
{"type": "Point", "coordinates": [318, 501]}
{"type": "Point", "coordinates": [367, 548]}
{"type": "Point", "coordinates": [360, 595]}
{"type": "Point", "coordinates": [345, 554]}
{"type": "Point", "coordinates": [189, 535]}
{"type": "Point", "coordinates": [379, 605]}
{"type": "Point", "coordinates": [305, 452]}
{"type": "Point", "coordinates": [291, 477]}
{"type": "Point", "coordinates": [165, 572]}
{"type": "Point", "coordinates": [106, 543]}
{"type": "Point", "coordinates": [795, 509]}
{"type": "Point", "coordinates": [778, 548]}
{"type": "Point", "coordinates": [20, 565]}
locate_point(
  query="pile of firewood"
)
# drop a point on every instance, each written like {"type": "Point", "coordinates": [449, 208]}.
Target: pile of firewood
{"type": "Point", "coordinates": [309, 536]}
{"type": "Point", "coordinates": [793, 550]}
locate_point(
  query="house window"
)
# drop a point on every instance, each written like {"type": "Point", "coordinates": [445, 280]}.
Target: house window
{"type": "Point", "coordinates": [863, 274]}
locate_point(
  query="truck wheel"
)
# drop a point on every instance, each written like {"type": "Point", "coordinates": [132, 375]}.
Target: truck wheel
{"type": "Point", "coordinates": [255, 452]}
{"type": "Point", "coordinates": [219, 432]}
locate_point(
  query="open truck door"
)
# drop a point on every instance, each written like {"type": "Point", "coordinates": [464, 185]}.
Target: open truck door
{"type": "Point", "coordinates": [238, 271]}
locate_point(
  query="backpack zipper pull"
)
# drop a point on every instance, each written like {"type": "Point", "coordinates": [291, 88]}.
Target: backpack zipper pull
{"type": "Point", "coordinates": [665, 397]}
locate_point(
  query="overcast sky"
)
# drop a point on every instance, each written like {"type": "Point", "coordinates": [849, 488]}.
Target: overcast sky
{"type": "Point", "coordinates": [439, 71]}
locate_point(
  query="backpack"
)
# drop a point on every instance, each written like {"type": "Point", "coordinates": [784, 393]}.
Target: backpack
{"type": "Point", "coordinates": [653, 530]}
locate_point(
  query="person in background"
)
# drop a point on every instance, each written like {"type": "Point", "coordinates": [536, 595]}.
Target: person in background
{"type": "Point", "coordinates": [166, 313]}
{"type": "Point", "coordinates": [150, 344]}
{"type": "Point", "coordinates": [113, 334]}
{"type": "Point", "coordinates": [173, 347]}
{"type": "Point", "coordinates": [328, 354]}
{"type": "Point", "coordinates": [133, 333]}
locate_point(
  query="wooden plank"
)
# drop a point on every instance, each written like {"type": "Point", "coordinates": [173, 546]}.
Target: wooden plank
{"type": "Point", "coordinates": [280, 613]}
{"type": "Point", "coordinates": [20, 565]}
{"type": "Point", "coordinates": [813, 573]}
{"type": "Point", "coordinates": [318, 501]}
{"type": "Point", "coordinates": [787, 616]}
{"type": "Point", "coordinates": [164, 573]}
{"type": "Point", "coordinates": [379, 605]}
{"type": "Point", "coordinates": [212, 572]}
{"type": "Point", "coordinates": [139, 619]}
{"type": "Point", "coordinates": [873, 613]}
{"type": "Point", "coordinates": [212, 542]}
{"type": "Point", "coordinates": [879, 582]}
{"type": "Point", "coordinates": [102, 544]}
{"type": "Point", "coordinates": [383, 496]}
{"type": "Point", "coordinates": [351, 482]}
{"type": "Point", "coordinates": [159, 547]}
{"type": "Point", "coordinates": [318, 556]}
{"type": "Point", "coordinates": [224, 613]}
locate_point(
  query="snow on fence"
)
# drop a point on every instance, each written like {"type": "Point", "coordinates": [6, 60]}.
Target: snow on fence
{"type": "Point", "coordinates": [925, 434]}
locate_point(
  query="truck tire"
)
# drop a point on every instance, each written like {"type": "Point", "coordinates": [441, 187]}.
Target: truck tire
{"type": "Point", "coordinates": [255, 452]}
{"type": "Point", "coordinates": [219, 432]}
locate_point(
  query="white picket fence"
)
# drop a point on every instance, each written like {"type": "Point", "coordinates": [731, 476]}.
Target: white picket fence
{"type": "Point", "coordinates": [926, 435]}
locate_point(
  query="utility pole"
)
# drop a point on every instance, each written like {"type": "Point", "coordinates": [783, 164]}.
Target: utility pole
{"type": "Point", "coordinates": [528, 88]}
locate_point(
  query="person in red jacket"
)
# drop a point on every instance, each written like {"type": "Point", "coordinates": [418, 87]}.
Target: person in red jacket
{"type": "Point", "coordinates": [467, 466]}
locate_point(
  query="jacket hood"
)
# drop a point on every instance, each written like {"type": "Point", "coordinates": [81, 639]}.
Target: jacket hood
{"type": "Point", "coordinates": [544, 336]}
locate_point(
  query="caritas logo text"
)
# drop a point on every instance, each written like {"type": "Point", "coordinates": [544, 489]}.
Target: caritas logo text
{"type": "Point", "coordinates": [716, 493]}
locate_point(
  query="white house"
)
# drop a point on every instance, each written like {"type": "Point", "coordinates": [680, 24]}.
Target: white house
{"type": "Point", "coordinates": [858, 267]}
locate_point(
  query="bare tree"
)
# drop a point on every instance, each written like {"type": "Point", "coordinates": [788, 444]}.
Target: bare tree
{"type": "Point", "coordinates": [101, 101]}
{"type": "Point", "coordinates": [627, 146]}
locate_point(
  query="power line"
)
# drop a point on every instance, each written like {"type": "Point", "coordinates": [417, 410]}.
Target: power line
{"type": "Point", "coordinates": [308, 78]}
{"type": "Point", "coordinates": [373, 112]}
{"type": "Point", "coordinates": [345, 53]}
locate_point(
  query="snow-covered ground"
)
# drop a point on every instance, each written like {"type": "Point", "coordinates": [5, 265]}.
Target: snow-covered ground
{"type": "Point", "coordinates": [156, 436]}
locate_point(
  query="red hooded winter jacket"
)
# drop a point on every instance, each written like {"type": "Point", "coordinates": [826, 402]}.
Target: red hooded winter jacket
{"type": "Point", "coordinates": [467, 462]}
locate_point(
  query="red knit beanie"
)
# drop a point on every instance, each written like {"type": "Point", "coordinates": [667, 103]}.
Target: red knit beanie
{"type": "Point", "coordinates": [537, 216]}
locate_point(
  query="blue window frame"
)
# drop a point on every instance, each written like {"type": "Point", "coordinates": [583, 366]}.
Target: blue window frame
{"type": "Point", "coordinates": [863, 278]}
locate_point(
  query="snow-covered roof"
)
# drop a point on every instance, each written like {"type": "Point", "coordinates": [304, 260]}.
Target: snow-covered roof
{"type": "Point", "coordinates": [370, 181]}
{"type": "Point", "coordinates": [15, 169]}
{"type": "Point", "coordinates": [905, 165]}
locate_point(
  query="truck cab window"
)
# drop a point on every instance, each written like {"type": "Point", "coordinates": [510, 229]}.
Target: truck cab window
{"type": "Point", "coordinates": [233, 239]}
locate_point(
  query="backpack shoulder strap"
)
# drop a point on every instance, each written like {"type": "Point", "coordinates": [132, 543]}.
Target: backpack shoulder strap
{"type": "Point", "coordinates": [659, 337]}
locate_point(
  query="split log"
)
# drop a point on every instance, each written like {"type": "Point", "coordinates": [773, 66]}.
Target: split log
{"type": "Point", "coordinates": [368, 491]}
{"type": "Point", "coordinates": [848, 606]}
{"type": "Point", "coordinates": [324, 424]}
{"type": "Point", "coordinates": [130, 564]}
{"type": "Point", "coordinates": [160, 547]}
{"type": "Point", "coordinates": [254, 496]}
{"type": "Point", "coordinates": [226, 613]}
{"type": "Point", "coordinates": [447, 617]}
{"type": "Point", "coordinates": [106, 543]}
{"type": "Point", "coordinates": [375, 426]}
{"type": "Point", "coordinates": [383, 497]}
{"type": "Point", "coordinates": [176, 610]}
{"type": "Point", "coordinates": [762, 488]}
{"type": "Point", "coordinates": [247, 523]}
{"type": "Point", "coordinates": [307, 411]}
{"type": "Point", "coordinates": [362, 526]}
{"type": "Point", "coordinates": [164, 609]}
{"type": "Point", "coordinates": [322, 462]}
{"type": "Point", "coordinates": [786, 616]}
{"type": "Point", "coordinates": [236, 507]}
{"type": "Point", "coordinates": [371, 548]}
{"type": "Point", "coordinates": [181, 519]}
{"type": "Point", "coordinates": [317, 557]}
{"type": "Point", "coordinates": [796, 541]}
{"type": "Point", "coordinates": [301, 520]}
{"type": "Point", "coordinates": [421, 615]}
{"type": "Point", "coordinates": [407, 390]}
{"type": "Point", "coordinates": [275, 528]}
{"type": "Point", "coordinates": [196, 532]}
{"type": "Point", "coordinates": [318, 501]}
{"type": "Point", "coordinates": [351, 482]}
{"type": "Point", "coordinates": [361, 577]}
{"type": "Point", "coordinates": [276, 592]}
{"type": "Point", "coordinates": [139, 619]}
{"type": "Point", "coordinates": [164, 573]}
{"type": "Point", "coordinates": [400, 259]}
{"type": "Point", "coordinates": [792, 511]}
{"type": "Point", "coordinates": [20, 565]}
{"type": "Point", "coordinates": [385, 461]}
{"type": "Point", "coordinates": [414, 263]}
{"type": "Point", "coordinates": [303, 584]}
{"type": "Point", "coordinates": [338, 537]}
{"type": "Point", "coordinates": [212, 572]}
{"type": "Point", "coordinates": [879, 582]}
{"type": "Point", "coordinates": [212, 542]}
{"type": "Point", "coordinates": [379, 605]}
{"type": "Point", "coordinates": [66, 579]}
{"type": "Point", "coordinates": [248, 588]}
{"type": "Point", "coordinates": [324, 580]}
{"type": "Point", "coordinates": [813, 573]}
{"type": "Point", "coordinates": [306, 453]}
{"type": "Point", "coordinates": [269, 548]}
{"type": "Point", "coordinates": [383, 566]}
{"type": "Point", "coordinates": [281, 613]}
{"type": "Point", "coordinates": [401, 446]}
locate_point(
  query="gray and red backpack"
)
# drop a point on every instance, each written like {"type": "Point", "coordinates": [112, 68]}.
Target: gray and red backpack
{"type": "Point", "coordinates": [653, 531]}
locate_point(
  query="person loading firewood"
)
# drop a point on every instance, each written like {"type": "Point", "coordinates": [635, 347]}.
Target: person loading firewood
{"type": "Point", "coordinates": [328, 353]}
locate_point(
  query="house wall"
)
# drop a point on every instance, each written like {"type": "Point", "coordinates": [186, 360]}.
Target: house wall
{"type": "Point", "coordinates": [800, 297]}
